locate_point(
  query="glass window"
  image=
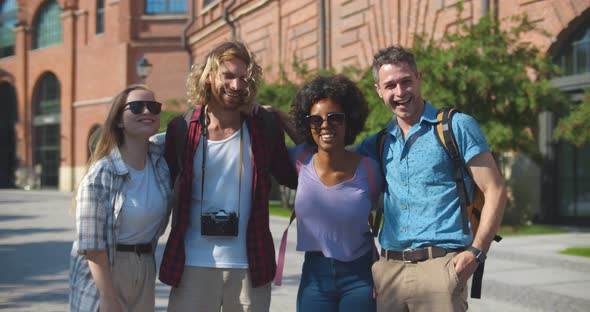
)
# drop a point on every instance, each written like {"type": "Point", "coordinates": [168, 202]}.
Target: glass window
{"type": "Point", "coordinates": [207, 2]}
{"type": "Point", "coordinates": [7, 21]}
{"type": "Point", "coordinates": [572, 187]}
{"type": "Point", "coordinates": [575, 56]}
{"type": "Point", "coordinates": [99, 16]}
{"type": "Point", "coordinates": [47, 95]}
{"type": "Point", "coordinates": [165, 6]}
{"type": "Point", "coordinates": [47, 25]}
{"type": "Point", "coordinates": [46, 130]}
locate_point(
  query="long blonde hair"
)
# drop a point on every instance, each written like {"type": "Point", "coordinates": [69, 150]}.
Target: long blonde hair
{"type": "Point", "coordinates": [112, 134]}
{"type": "Point", "coordinates": [198, 87]}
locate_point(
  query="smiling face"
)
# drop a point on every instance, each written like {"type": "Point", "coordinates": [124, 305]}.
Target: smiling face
{"type": "Point", "coordinates": [328, 136]}
{"type": "Point", "coordinates": [229, 88]}
{"type": "Point", "coordinates": [399, 87]}
{"type": "Point", "coordinates": [142, 125]}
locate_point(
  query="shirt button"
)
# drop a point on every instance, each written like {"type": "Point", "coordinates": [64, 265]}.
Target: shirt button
{"type": "Point", "coordinates": [404, 184]}
{"type": "Point", "coordinates": [403, 229]}
{"type": "Point", "coordinates": [404, 207]}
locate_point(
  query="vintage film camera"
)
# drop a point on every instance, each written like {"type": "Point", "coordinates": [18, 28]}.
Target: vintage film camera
{"type": "Point", "coordinates": [219, 223]}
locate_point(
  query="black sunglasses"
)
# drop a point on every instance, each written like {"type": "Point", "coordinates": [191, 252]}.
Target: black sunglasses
{"type": "Point", "coordinates": [137, 107]}
{"type": "Point", "coordinates": [335, 120]}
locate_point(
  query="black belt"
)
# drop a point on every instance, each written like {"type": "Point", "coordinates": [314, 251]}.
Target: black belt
{"type": "Point", "coordinates": [138, 249]}
{"type": "Point", "coordinates": [417, 254]}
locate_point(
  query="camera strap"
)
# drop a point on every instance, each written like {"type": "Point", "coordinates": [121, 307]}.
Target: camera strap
{"type": "Point", "coordinates": [205, 133]}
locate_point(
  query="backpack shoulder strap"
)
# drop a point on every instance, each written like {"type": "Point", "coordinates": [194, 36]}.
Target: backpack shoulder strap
{"type": "Point", "coordinates": [301, 157]}
{"type": "Point", "coordinates": [379, 205]}
{"type": "Point", "coordinates": [380, 145]}
{"type": "Point", "coordinates": [181, 136]}
{"type": "Point", "coordinates": [271, 125]}
{"type": "Point", "coordinates": [446, 137]}
{"type": "Point", "coordinates": [182, 126]}
{"type": "Point", "coordinates": [282, 250]}
{"type": "Point", "coordinates": [369, 169]}
{"type": "Point", "coordinates": [375, 204]}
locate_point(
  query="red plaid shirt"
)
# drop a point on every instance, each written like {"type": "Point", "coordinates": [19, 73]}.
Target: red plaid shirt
{"type": "Point", "coordinates": [259, 244]}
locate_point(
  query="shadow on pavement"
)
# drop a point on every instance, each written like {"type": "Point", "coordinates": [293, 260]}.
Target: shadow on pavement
{"type": "Point", "coordinates": [56, 296]}
{"type": "Point", "coordinates": [22, 267]}
{"type": "Point", "coordinates": [5, 233]}
{"type": "Point", "coordinates": [4, 218]}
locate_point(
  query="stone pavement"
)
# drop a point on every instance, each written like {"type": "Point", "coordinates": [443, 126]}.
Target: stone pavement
{"type": "Point", "coordinates": [36, 231]}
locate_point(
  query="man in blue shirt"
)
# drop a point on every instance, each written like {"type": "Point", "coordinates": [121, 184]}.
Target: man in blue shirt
{"type": "Point", "coordinates": [422, 213]}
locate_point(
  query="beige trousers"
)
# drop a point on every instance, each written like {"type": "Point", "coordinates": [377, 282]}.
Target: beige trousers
{"type": "Point", "coordinates": [214, 289]}
{"type": "Point", "coordinates": [430, 285]}
{"type": "Point", "coordinates": [134, 278]}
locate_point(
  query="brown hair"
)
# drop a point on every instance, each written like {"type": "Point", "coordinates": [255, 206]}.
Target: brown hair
{"type": "Point", "coordinates": [394, 55]}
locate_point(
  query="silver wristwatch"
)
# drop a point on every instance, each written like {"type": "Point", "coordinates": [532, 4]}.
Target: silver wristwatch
{"type": "Point", "coordinates": [480, 256]}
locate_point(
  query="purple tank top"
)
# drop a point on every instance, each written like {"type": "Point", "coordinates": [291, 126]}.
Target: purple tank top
{"type": "Point", "coordinates": [334, 219]}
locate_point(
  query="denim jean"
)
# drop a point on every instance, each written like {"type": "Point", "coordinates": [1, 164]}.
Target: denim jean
{"type": "Point", "coordinates": [329, 285]}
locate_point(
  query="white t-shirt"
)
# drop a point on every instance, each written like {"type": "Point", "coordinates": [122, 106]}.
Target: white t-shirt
{"type": "Point", "coordinates": [143, 208]}
{"type": "Point", "coordinates": [221, 192]}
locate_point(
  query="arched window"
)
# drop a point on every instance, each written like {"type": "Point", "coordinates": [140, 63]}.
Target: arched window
{"type": "Point", "coordinates": [47, 95]}
{"type": "Point", "coordinates": [99, 16]}
{"type": "Point", "coordinates": [46, 130]}
{"type": "Point", "coordinates": [165, 6]}
{"type": "Point", "coordinates": [7, 21]}
{"type": "Point", "coordinates": [47, 25]}
{"type": "Point", "coordinates": [575, 56]}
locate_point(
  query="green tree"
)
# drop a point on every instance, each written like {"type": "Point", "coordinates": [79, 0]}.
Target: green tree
{"type": "Point", "coordinates": [575, 127]}
{"type": "Point", "coordinates": [494, 76]}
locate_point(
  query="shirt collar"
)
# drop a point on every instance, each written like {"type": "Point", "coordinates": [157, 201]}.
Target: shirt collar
{"type": "Point", "coordinates": [118, 164]}
{"type": "Point", "coordinates": [155, 150]}
{"type": "Point", "coordinates": [428, 115]}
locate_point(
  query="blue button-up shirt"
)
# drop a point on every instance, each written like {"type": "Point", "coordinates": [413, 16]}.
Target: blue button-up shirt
{"type": "Point", "coordinates": [421, 203]}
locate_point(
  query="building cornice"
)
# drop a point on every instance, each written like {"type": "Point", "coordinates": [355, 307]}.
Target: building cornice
{"type": "Point", "coordinates": [92, 102]}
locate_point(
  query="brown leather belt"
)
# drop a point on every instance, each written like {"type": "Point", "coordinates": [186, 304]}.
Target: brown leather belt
{"type": "Point", "coordinates": [138, 249]}
{"type": "Point", "coordinates": [417, 254]}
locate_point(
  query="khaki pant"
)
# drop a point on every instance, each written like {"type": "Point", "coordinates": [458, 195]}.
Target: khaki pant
{"type": "Point", "coordinates": [430, 285]}
{"type": "Point", "coordinates": [209, 289]}
{"type": "Point", "coordinates": [134, 278]}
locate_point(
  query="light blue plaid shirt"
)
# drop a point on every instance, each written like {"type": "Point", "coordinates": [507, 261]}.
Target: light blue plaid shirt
{"type": "Point", "coordinates": [98, 204]}
{"type": "Point", "coordinates": [421, 203]}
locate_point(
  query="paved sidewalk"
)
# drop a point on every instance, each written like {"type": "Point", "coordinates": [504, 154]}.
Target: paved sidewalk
{"type": "Point", "coordinates": [36, 233]}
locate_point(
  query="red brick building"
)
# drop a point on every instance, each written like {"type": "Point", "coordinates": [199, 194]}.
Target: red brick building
{"type": "Point", "coordinates": [90, 67]}
{"type": "Point", "coordinates": [336, 33]}
{"type": "Point", "coordinates": [61, 62]}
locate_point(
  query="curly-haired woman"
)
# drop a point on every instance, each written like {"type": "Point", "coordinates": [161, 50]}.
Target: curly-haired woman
{"type": "Point", "coordinates": [334, 197]}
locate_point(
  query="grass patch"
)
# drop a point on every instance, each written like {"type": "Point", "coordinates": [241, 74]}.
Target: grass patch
{"type": "Point", "coordinates": [577, 251]}
{"type": "Point", "coordinates": [529, 230]}
{"type": "Point", "coordinates": [278, 211]}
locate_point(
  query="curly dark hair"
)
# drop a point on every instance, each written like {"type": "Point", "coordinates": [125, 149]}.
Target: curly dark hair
{"type": "Point", "coordinates": [339, 89]}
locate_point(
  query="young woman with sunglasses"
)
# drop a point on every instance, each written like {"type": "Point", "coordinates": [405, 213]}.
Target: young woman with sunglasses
{"type": "Point", "coordinates": [335, 194]}
{"type": "Point", "coordinates": [121, 210]}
